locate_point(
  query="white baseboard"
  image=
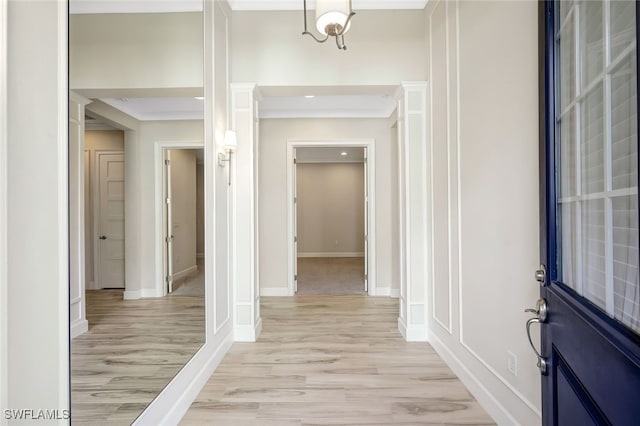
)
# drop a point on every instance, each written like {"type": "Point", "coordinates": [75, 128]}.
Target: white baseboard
{"type": "Point", "coordinates": [274, 291]}
{"type": "Point", "coordinates": [172, 403]}
{"type": "Point", "coordinates": [486, 399]}
{"type": "Point", "coordinates": [185, 272]}
{"type": "Point", "coordinates": [332, 254]}
{"type": "Point", "coordinates": [246, 333]}
{"type": "Point", "coordinates": [132, 294]}
{"type": "Point", "coordinates": [413, 333]}
{"type": "Point", "coordinates": [402, 328]}
{"type": "Point", "coordinates": [91, 285]}
{"type": "Point", "coordinates": [78, 328]}
{"type": "Point", "coordinates": [382, 291]}
{"type": "Point", "coordinates": [143, 293]}
{"type": "Point", "coordinates": [387, 291]}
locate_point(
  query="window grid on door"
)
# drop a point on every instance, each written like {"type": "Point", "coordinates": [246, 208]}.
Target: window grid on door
{"type": "Point", "coordinates": [596, 124]}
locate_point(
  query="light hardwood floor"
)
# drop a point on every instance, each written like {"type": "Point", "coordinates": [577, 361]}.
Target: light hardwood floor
{"type": "Point", "coordinates": [329, 360]}
{"type": "Point", "coordinates": [132, 350]}
{"type": "Point", "coordinates": [330, 275]}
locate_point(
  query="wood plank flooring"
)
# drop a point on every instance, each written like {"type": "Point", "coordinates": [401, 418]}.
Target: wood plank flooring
{"type": "Point", "coordinates": [329, 360]}
{"type": "Point", "coordinates": [330, 275]}
{"type": "Point", "coordinates": [132, 350]}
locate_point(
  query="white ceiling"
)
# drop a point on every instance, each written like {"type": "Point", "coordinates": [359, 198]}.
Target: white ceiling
{"type": "Point", "coordinates": [158, 109]}
{"type": "Point", "coordinates": [329, 155]}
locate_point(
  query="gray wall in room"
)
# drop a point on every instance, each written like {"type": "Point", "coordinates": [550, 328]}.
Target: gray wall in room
{"type": "Point", "coordinates": [330, 208]}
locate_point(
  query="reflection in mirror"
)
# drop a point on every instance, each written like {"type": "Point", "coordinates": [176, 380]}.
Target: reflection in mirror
{"type": "Point", "coordinates": [139, 142]}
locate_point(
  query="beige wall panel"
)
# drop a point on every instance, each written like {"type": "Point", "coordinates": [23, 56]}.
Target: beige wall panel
{"type": "Point", "coordinates": [273, 188]}
{"type": "Point", "coordinates": [330, 208]}
{"type": "Point", "coordinates": [383, 48]}
{"type": "Point", "coordinates": [489, 119]}
{"type": "Point", "coordinates": [159, 50]}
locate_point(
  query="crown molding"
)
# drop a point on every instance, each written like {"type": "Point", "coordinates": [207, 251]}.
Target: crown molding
{"type": "Point", "coordinates": [246, 5]}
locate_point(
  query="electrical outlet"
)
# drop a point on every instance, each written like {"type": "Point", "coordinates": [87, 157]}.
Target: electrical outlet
{"type": "Point", "coordinates": [512, 363]}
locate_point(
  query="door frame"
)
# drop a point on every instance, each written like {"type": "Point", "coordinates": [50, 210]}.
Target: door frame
{"type": "Point", "coordinates": [368, 143]}
{"type": "Point", "coordinates": [95, 193]}
{"type": "Point", "coordinates": [160, 289]}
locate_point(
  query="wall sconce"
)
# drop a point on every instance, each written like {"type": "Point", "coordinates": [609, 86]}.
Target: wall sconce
{"type": "Point", "coordinates": [229, 145]}
{"type": "Point", "coordinates": [333, 18]}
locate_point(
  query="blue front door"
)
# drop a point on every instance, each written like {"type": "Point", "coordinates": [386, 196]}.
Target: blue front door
{"type": "Point", "coordinates": [590, 362]}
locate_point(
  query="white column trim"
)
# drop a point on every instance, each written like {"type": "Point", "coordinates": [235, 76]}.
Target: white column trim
{"type": "Point", "coordinates": [417, 250]}
{"type": "Point", "coordinates": [244, 193]}
{"type": "Point", "coordinates": [77, 218]}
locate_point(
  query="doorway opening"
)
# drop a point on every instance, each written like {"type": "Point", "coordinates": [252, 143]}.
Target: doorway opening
{"type": "Point", "coordinates": [331, 217]}
{"type": "Point", "coordinates": [183, 221]}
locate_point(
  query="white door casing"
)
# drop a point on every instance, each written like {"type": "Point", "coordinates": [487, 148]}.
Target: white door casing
{"type": "Point", "coordinates": [294, 176]}
{"type": "Point", "coordinates": [366, 224]}
{"type": "Point", "coordinates": [168, 217]}
{"type": "Point", "coordinates": [369, 146]}
{"type": "Point", "coordinates": [110, 253]}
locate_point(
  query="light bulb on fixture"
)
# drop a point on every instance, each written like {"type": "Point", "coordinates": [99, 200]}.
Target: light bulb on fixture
{"type": "Point", "coordinates": [333, 19]}
{"type": "Point", "coordinates": [230, 144]}
{"type": "Point", "coordinates": [344, 154]}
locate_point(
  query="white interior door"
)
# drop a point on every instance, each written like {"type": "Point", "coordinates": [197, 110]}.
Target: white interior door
{"type": "Point", "coordinates": [110, 245]}
{"type": "Point", "coordinates": [366, 224]}
{"type": "Point", "coordinates": [168, 230]}
{"type": "Point", "coordinates": [295, 223]}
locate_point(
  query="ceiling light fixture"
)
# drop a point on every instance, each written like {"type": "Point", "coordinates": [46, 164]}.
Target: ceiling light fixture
{"type": "Point", "coordinates": [343, 154]}
{"type": "Point", "coordinates": [333, 18]}
{"type": "Point", "coordinates": [309, 96]}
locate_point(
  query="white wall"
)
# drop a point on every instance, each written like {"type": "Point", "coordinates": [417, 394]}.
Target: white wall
{"type": "Point", "coordinates": [183, 205]}
{"type": "Point", "coordinates": [36, 336]}
{"type": "Point", "coordinates": [3, 209]}
{"type": "Point", "coordinates": [330, 209]}
{"type": "Point", "coordinates": [137, 51]}
{"type": "Point", "coordinates": [383, 47]}
{"type": "Point", "coordinates": [273, 189]}
{"type": "Point", "coordinates": [484, 168]}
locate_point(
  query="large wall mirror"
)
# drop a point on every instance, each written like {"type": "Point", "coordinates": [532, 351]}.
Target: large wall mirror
{"type": "Point", "coordinates": [137, 172]}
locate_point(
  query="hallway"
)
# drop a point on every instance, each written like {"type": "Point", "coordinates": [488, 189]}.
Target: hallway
{"type": "Point", "coordinates": [333, 360]}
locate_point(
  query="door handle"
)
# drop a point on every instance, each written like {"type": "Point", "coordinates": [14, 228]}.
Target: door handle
{"type": "Point", "coordinates": [103, 237]}
{"type": "Point", "coordinates": [540, 317]}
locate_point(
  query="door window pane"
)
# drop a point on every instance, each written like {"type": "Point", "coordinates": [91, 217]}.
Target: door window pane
{"type": "Point", "coordinates": [568, 155]}
{"type": "Point", "coordinates": [625, 261]}
{"type": "Point", "coordinates": [624, 124]}
{"type": "Point", "coordinates": [597, 131]}
{"type": "Point", "coordinates": [593, 252]}
{"type": "Point", "coordinates": [568, 65]}
{"type": "Point", "coordinates": [623, 26]}
{"type": "Point", "coordinates": [592, 143]}
{"type": "Point", "coordinates": [592, 47]}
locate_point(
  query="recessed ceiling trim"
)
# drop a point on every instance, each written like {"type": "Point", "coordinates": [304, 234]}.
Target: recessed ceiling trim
{"type": "Point", "coordinates": [245, 5]}
{"type": "Point", "coordinates": [332, 113]}
{"type": "Point", "coordinates": [79, 7]}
